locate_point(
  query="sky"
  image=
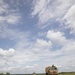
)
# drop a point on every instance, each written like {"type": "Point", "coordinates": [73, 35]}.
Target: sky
{"type": "Point", "coordinates": [35, 34]}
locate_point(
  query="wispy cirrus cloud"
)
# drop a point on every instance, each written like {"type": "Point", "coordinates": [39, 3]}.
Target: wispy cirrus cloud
{"type": "Point", "coordinates": [69, 19]}
{"type": "Point", "coordinates": [9, 18]}
{"type": "Point", "coordinates": [49, 11]}
{"type": "Point", "coordinates": [8, 14]}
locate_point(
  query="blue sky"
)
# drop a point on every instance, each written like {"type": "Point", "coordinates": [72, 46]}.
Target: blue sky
{"type": "Point", "coordinates": [35, 34]}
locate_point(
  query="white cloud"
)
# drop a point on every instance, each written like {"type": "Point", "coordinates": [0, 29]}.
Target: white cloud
{"type": "Point", "coordinates": [34, 56]}
{"type": "Point", "coordinates": [70, 17]}
{"type": "Point", "coordinates": [40, 52]}
{"type": "Point", "coordinates": [43, 43]}
{"type": "Point", "coordinates": [7, 53]}
{"type": "Point", "coordinates": [57, 37]}
{"type": "Point", "coordinates": [10, 18]}
{"type": "Point", "coordinates": [26, 57]}
{"type": "Point", "coordinates": [38, 6]}
{"type": "Point", "coordinates": [2, 19]}
{"type": "Point", "coordinates": [48, 10]}
{"type": "Point", "coordinates": [3, 7]}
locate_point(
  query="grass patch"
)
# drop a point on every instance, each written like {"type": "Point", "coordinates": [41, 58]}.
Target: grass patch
{"type": "Point", "coordinates": [67, 73]}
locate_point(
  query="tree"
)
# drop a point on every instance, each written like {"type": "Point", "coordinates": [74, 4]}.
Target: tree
{"type": "Point", "coordinates": [7, 73]}
{"type": "Point", "coordinates": [1, 74]}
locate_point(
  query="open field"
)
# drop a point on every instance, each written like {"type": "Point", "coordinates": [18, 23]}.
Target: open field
{"type": "Point", "coordinates": [67, 73]}
{"type": "Point", "coordinates": [63, 73]}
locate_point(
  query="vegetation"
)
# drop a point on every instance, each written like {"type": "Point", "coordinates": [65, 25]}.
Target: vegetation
{"type": "Point", "coordinates": [1, 74]}
{"type": "Point", "coordinates": [7, 73]}
{"type": "Point", "coordinates": [67, 73]}
{"type": "Point", "coordinates": [62, 73]}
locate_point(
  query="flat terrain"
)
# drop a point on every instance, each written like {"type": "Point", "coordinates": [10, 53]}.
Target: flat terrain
{"type": "Point", "coordinates": [63, 73]}
{"type": "Point", "coordinates": [67, 73]}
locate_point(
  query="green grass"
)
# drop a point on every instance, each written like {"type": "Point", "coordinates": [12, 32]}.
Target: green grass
{"type": "Point", "coordinates": [63, 73]}
{"type": "Point", "coordinates": [67, 73]}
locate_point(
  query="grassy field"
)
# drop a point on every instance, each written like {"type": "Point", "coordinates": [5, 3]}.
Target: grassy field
{"type": "Point", "coordinates": [63, 73]}
{"type": "Point", "coordinates": [67, 73]}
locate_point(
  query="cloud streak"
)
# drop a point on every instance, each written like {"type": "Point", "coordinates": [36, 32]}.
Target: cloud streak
{"type": "Point", "coordinates": [58, 11]}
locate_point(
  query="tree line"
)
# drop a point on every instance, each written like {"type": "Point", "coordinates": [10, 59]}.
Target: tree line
{"type": "Point", "coordinates": [7, 73]}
